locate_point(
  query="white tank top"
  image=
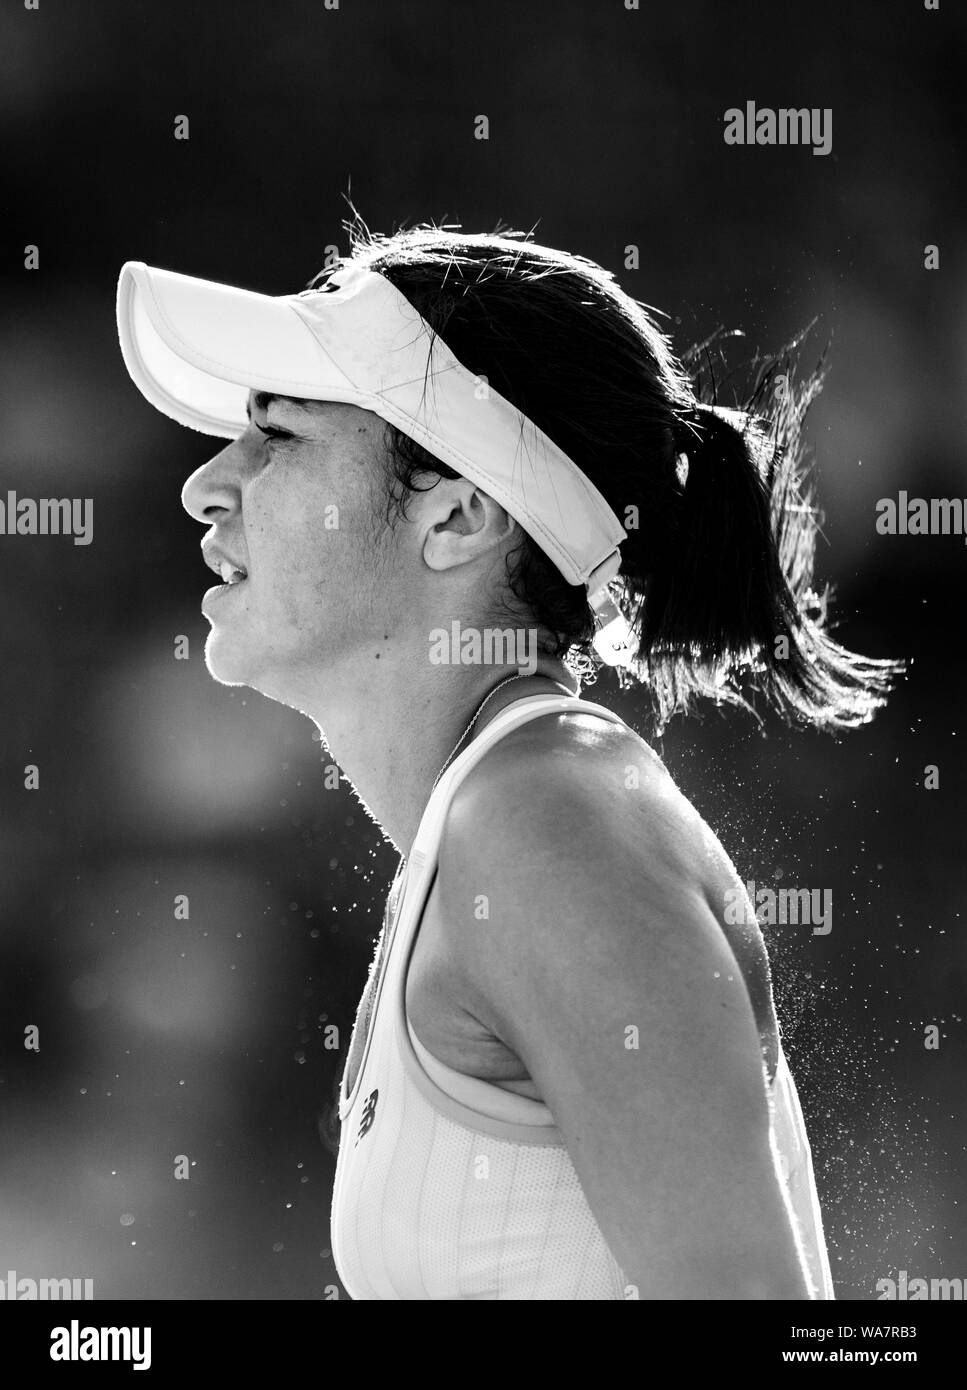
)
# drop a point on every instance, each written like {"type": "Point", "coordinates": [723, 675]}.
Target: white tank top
{"type": "Point", "coordinates": [449, 1187]}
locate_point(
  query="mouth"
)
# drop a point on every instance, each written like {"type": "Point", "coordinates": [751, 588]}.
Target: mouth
{"type": "Point", "coordinates": [232, 577]}
{"type": "Point", "coordinates": [231, 574]}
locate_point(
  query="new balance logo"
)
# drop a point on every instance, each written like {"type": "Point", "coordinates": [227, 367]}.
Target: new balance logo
{"type": "Point", "coordinates": [369, 1115]}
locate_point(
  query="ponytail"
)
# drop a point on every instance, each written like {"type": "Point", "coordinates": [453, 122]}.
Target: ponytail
{"type": "Point", "coordinates": [732, 597]}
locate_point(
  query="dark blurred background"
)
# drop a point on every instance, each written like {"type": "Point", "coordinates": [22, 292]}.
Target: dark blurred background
{"type": "Point", "coordinates": [206, 1037]}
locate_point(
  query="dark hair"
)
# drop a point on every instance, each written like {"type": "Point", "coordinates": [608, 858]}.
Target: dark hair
{"type": "Point", "coordinates": [716, 572]}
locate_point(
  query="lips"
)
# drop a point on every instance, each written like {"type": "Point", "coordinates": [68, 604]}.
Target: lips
{"type": "Point", "coordinates": [228, 569]}
{"type": "Point", "coordinates": [231, 574]}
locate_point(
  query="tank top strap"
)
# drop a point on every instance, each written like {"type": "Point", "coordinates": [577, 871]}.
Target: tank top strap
{"type": "Point", "coordinates": [422, 862]}
{"type": "Point", "coordinates": [417, 882]}
{"type": "Point", "coordinates": [520, 712]}
{"type": "Point", "coordinates": [421, 867]}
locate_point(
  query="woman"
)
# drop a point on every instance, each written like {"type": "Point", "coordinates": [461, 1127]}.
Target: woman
{"type": "Point", "coordinates": [566, 1079]}
{"type": "Point", "coordinates": [658, 1178]}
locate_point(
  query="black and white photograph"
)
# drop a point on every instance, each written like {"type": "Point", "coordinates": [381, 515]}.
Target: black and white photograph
{"type": "Point", "coordinates": [482, 545]}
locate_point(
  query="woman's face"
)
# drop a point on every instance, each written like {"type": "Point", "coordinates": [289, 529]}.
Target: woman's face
{"type": "Point", "coordinates": [290, 505]}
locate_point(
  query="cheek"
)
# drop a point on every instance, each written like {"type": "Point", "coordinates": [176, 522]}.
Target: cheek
{"type": "Point", "coordinates": [301, 564]}
{"type": "Point", "coordinates": [308, 521]}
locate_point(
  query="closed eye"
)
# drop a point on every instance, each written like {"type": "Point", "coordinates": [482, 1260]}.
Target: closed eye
{"type": "Point", "coordinates": [271, 431]}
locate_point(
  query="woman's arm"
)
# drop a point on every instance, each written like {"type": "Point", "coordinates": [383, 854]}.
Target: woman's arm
{"type": "Point", "coordinates": [601, 965]}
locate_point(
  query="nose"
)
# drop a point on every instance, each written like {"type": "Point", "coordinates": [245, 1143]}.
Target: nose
{"type": "Point", "coordinates": [213, 492]}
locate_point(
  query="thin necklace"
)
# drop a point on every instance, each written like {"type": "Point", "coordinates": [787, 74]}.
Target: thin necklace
{"type": "Point", "coordinates": [519, 675]}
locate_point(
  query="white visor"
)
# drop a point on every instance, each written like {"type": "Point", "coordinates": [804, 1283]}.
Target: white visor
{"type": "Point", "coordinates": [196, 348]}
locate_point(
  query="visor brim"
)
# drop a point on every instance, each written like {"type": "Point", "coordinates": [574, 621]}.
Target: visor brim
{"type": "Point", "coordinates": [195, 348]}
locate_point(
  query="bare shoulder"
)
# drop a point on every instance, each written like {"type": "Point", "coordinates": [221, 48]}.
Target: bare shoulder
{"type": "Point", "coordinates": [581, 790]}
{"type": "Point", "coordinates": [573, 846]}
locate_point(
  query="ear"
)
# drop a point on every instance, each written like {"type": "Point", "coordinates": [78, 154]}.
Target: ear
{"type": "Point", "coordinates": [461, 523]}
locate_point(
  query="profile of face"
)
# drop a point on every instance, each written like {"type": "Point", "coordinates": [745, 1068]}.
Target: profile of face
{"type": "Point", "coordinates": [289, 503]}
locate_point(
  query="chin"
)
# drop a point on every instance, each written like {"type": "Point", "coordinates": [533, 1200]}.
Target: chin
{"type": "Point", "coordinates": [227, 664]}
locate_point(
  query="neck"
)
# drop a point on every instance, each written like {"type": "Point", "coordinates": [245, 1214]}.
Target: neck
{"type": "Point", "coordinates": [391, 736]}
